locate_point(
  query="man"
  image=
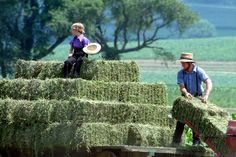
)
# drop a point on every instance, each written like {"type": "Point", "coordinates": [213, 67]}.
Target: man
{"type": "Point", "coordinates": [190, 79]}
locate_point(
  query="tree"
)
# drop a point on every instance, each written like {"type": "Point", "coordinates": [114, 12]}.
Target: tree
{"type": "Point", "coordinates": [202, 29]}
{"type": "Point", "coordinates": [31, 29]}
{"type": "Point", "coordinates": [139, 21]}
{"type": "Point", "coordinates": [8, 48]}
{"type": "Point", "coordinates": [34, 28]}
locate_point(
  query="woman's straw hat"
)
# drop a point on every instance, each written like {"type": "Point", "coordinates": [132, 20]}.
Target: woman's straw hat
{"type": "Point", "coordinates": [186, 57]}
{"type": "Point", "coordinates": [92, 48]}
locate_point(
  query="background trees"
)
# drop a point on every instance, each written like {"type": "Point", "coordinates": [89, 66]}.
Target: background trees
{"type": "Point", "coordinates": [31, 29]}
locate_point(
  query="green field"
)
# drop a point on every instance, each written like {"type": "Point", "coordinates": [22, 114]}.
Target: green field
{"type": "Point", "coordinates": [208, 49]}
{"type": "Point", "coordinates": [223, 93]}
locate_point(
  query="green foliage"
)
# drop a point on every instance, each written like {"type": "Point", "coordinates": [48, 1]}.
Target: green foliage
{"type": "Point", "coordinates": [234, 116]}
{"type": "Point", "coordinates": [143, 30]}
{"type": "Point", "coordinates": [201, 29]}
{"type": "Point", "coordinates": [90, 70]}
{"type": "Point", "coordinates": [95, 90]}
{"type": "Point", "coordinates": [36, 28]}
{"type": "Point", "coordinates": [209, 120]}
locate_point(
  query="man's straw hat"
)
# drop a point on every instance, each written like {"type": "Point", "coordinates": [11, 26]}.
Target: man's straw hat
{"type": "Point", "coordinates": [92, 48]}
{"type": "Point", "coordinates": [186, 57]}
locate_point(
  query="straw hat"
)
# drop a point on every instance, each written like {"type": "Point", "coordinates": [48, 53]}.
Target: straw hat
{"type": "Point", "coordinates": [186, 57]}
{"type": "Point", "coordinates": [92, 48]}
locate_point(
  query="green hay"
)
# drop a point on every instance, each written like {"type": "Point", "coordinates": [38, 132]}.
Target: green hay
{"type": "Point", "coordinates": [74, 137]}
{"type": "Point", "coordinates": [26, 113]}
{"type": "Point", "coordinates": [209, 119]}
{"type": "Point", "coordinates": [90, 70]}
{"type": "Point", "coordinates": [100, 134]}
{"type": "Point", "coordinates": [63, 89]}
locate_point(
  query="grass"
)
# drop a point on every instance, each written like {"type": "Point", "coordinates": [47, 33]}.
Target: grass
{"type": "Point", "coordinates": [213, 49]}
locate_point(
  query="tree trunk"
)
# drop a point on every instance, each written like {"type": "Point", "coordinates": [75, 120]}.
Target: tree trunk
{"type": "Point", "coordinates": [110, 54]}
{"type": "Point", "coordinates": [3, 69]}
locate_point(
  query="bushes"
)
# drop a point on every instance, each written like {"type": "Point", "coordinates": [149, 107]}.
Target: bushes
{"type": "Point", "coordinates": [63, 89]}
{"type": "Point", "coordinates": [208, 119]}
{"type": "Point", "coordinates": [90, 70]}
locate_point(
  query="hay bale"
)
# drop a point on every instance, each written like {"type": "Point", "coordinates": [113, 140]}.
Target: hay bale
{"type": "Point", "coordinates": [210, 120]}
{"type": "Point", "coordinates": [71, 136]}
{"type": "Point", "coordinates": [100, 134]}
{"type": "Point", "coordinates": [63, 89]}
{"type": "Point", "coordinates": [90, 70]}
{"type": "Point", "coordinates": [26, 113]}
{"type": "Point", "coordinates": [38, 136]}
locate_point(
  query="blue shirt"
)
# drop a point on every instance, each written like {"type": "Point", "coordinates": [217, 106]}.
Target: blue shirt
{"type": "Point", "coordinates": [79, 42]}
{"type": "Point", "coordinates": [193, 80]}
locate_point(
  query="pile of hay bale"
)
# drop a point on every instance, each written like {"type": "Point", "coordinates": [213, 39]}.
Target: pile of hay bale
{"type": "Point", "coordinates": [207, 119]}
{"type": "Point", "coordinates": [107, 106]}
{"type": "Point", "coordinates": [90, 70]}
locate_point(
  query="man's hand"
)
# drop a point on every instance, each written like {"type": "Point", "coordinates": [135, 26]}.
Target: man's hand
{"type": "Point", "coordinates": [204, 98]}
{"type": "Point", "coordinates": [188, 95]}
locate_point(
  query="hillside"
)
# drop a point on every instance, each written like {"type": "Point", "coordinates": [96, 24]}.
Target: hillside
{"type": "Point", "coordinates": [218, 12]}
{"type": "Point", "coordinates": [212, 2]}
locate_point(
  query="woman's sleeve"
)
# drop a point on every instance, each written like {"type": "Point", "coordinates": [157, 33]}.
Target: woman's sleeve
{"type": "Point", "coordinates": [71, 42]}
{"type": "Point", "coordinates": [86, 41]}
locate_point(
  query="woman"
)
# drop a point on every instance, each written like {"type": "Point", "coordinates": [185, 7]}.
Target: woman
{"type": "Point", "coordinates": [76, 53]}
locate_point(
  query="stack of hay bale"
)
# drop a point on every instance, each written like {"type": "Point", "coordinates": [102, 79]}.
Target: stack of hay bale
{"type": "Point", "coordinates": [107, 106]}
{"type": "Point", "coordinates": [208, 120]}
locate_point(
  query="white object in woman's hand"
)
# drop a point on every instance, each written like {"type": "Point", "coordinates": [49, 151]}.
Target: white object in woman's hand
{"type": "Point", "coordinates": [70, 54]}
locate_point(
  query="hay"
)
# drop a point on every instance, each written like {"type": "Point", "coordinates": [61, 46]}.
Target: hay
{"type": "Point", "coordinates": [210, 120]}
{"type": "Point", "coordinates": [63, 89]}
{"type": "Point", "coordinates": [90, 70]}
{"type": "Point", "coordinates": [100, 134]}
{"type": "Point", "coordinates": [72, 136]}
{"type": "Point", "coordinates": [26, 113]}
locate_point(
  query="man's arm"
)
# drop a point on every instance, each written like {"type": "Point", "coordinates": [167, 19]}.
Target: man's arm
{"type": "Point", "coordinates": [184, 91]}
{"type": "Point", "coordinates": [208, 90]}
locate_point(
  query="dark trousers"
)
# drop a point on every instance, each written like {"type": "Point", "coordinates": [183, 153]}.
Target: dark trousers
{"type": "Point", "coordinates": [179, 131]}
{"type": "Point", "coordinates": [68, 64]}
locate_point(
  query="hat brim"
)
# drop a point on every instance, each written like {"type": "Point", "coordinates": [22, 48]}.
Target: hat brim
{"type": "Point", "coordinates": [185, 61]}
{"type": "Point", "coordinates": [94, 51]}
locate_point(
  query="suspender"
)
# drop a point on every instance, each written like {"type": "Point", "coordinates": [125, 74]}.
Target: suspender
{"type": "Point", "coordinates": [185, 84]}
